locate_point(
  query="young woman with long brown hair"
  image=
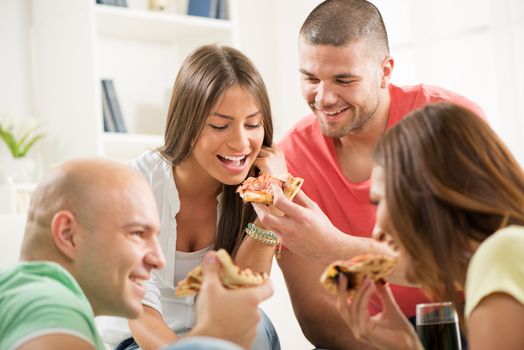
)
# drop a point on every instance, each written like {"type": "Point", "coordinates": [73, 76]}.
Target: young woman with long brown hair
{"type": "Point", "coordinates": [450, 200]}
{"type": "Point", "coordinates": [219, 131]}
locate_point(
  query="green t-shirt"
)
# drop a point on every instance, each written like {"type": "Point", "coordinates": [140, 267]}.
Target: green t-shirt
{"type": "Point", "coordinates": [39, 298]}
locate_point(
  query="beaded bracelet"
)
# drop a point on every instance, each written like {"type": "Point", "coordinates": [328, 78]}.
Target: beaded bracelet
{"type": "Point", "coordinates": [258, 234]}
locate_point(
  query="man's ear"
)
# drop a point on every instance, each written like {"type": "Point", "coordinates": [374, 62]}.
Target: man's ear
{"type": "Point", "coordinates": [63, 227]}
{"type": "Point", "coordinates": [387, 70]}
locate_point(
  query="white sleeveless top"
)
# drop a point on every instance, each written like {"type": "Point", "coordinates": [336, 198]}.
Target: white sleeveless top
{"type": "Point", "coordinates": [187, 261]}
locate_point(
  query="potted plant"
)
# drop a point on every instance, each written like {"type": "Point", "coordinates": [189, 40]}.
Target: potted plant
{"type": "Point", "coordinates": [19, 141]}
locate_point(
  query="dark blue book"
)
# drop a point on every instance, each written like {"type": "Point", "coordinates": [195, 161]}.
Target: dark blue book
{"type": "Point", "coordinates": [114, 106]}
{"type": "Point", "coordinates": [109, 125]}
{"type": "Point", "coordinates": [121, 3]}
{"type": "Point", "coordinates": [203, 8]}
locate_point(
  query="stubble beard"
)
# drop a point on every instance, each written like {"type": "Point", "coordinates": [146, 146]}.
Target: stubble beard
{"type": "Point", "coordinates": [351, 124]}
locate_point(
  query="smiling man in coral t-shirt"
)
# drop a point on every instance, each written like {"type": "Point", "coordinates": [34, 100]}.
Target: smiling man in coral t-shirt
{"type": "Point", "coordinates": [345, 70]}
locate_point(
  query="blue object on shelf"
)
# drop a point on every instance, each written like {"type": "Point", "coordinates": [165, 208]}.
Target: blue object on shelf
{"type": "Point", "coordinates": [203, 8]}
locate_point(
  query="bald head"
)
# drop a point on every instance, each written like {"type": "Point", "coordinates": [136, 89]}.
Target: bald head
{"type": "Point", "coordinates": [342, 22]}
{"type": "Point", "coordinates": [87, 188]}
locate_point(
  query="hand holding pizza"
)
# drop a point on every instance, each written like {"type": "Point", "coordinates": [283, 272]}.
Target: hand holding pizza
{"type": "Point", "coordinates": [388, 329]}
{"type": "Point", "coordinates": [227, 314]}
{"type": "Point", "coordinates": [304, 228]}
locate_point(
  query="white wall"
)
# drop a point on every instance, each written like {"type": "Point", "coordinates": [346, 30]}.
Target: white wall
{"type": "Point", "coordinates": [15, 60]}
{"type": "Point", "coordinates": [16, 91]}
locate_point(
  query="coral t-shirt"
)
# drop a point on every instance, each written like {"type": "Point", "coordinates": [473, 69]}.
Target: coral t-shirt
{"type": "Point", "coordinates": [312, 156]}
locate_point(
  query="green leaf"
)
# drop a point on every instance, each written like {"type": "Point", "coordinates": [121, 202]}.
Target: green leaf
{"type": "Point", "coordinates": [25, 136]}
{"type": "Point", "coordinates": [25, 148]}
{"type": "Point", "coordinates": [9, 141]}
{"type": "Point", "coordinates": [19, 148]}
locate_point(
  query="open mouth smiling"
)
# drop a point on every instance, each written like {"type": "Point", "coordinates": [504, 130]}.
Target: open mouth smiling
{"type": "Point", "coordinates": [236, 161]}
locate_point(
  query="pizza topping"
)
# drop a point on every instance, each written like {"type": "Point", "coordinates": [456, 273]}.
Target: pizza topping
{"type": "Point", "coordinates": [350, 276]}
{"type": "Point", "coordinates": [258, 189]}
{"type": "Point", "coordinates": [356, 270]}
{"type": "Point", "coordinates": [261, 183]}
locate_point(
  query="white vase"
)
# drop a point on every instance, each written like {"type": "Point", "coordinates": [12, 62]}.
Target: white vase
{"type": "Point", "coordinates": [22, 170]}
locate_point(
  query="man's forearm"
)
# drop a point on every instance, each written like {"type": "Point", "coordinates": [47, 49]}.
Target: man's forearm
{"type": "Point", "coordinates": [315, 309]}
{"type": "Point", "coordinates": [342, 246]}
{"type": "Point", "coordinates": [328, 330]}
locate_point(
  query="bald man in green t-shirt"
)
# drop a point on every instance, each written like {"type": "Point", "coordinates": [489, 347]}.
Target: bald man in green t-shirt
{"type": "Point", "coordinates": [89, 243]}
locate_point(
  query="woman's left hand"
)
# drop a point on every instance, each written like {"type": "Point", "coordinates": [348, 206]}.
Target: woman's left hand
{"type": "Point", "coordinates": [271, 160]}
{"type": "Point", "coordinates": [388, 329]}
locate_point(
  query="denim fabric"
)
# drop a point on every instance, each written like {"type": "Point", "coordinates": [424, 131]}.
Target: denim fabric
{"type": "Point", "coordinates": [203, 343]}
{"type": "Point", "coordinates": [266, 339]}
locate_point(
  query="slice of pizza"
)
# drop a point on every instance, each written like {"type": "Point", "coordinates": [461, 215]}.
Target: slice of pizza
{"type": "Point", "coordinates": [356, 269]}
{"type": "Point", "coordinates": [231, 276]}
{"type": "Point", "coordinates": [258, 189]}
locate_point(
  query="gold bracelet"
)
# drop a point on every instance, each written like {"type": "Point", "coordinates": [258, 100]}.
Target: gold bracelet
{"type": "Point", "coordinates": [263, 236]}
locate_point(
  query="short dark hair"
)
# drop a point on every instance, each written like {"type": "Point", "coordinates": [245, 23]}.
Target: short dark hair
{"type": "Point", "coordinates": [340, 22]}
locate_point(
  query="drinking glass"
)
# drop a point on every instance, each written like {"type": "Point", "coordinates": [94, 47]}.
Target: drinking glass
{"type": "Point", "coordinates": [437, 326]}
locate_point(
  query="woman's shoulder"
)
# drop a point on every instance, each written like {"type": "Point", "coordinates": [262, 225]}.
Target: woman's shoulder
{"type": "Point", "coordinates": [497, 266]}
{"type": "Point", "coordinates": [503, 244]}
{"type": "Point", "coordinates": [150, 164]}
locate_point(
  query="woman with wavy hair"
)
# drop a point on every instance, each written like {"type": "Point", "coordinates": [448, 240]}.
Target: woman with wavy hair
{"type": "Point", "coordinates": [450, 201]}
{"type": "Point", "coordinates": [219, 131]}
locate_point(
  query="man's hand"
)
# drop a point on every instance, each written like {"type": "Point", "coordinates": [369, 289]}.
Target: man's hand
{"type": "Point", "coordinates": [232, 315]}
{"type": "Point", "coordinates": [304, 228]}
{"type": "Point", "coordinates": [388, 329]}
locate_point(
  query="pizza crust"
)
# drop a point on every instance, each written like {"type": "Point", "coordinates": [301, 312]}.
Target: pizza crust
{"type": "Point", "coordinates": [231, 276]}
{"type": "Point", "coordinates": [356, 270]}
{"type": "Point", "coordinates": [292, 187]}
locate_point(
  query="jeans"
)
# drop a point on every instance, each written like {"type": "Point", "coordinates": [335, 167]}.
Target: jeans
{"type": "Point", "coordinates": [266, 339]}
{"type": "Point", "coordinates": [203, 343]}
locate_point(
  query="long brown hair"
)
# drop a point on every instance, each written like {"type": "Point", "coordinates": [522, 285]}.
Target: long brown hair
{"type": "Point", "coordinates": [203, 78]}
{"type": "Point", "coordinates": [449, 181]}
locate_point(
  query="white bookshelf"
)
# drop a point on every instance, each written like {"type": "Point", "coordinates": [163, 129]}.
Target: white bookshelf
{"type": "Point", "coordinates": [77, 43]}
{"type": "Point", "coordinates": [120, 145]}
{"type": "Point", "coordinates": [158, 26]}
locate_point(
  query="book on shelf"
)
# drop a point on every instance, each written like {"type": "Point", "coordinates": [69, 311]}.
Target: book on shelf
{"type": "Point", "coordinates": [223, 9]}
{"type": "Point", "coordinates": [120, 3]}
{"type": "Point", "coordinates": [113, 118]}
{"type": "Point", "coordinates": [207, 8]}
{"type": "Point", "coordinates": [109, 124]}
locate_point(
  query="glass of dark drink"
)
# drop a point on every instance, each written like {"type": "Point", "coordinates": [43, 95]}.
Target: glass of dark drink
{"type": "Point", "coordinates": [437, 326]}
